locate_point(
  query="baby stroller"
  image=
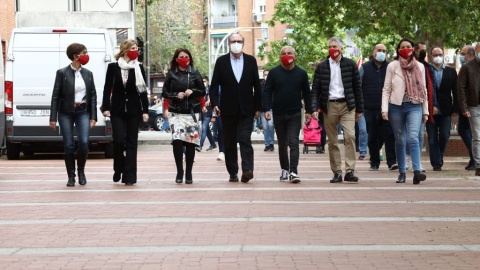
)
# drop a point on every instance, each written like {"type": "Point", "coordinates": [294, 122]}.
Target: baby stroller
{"type": "Point", "coordinates": [311, 135]}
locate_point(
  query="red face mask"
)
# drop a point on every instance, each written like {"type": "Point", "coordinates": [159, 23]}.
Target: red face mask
{"type": "Point", "coordinates": [132, 54]}
{"type": "Point", "coordinates": [83, 59]}
{"type": "Point", "coordinates": [334, 53]}
{"type": "Point", "coordinates": [183, 62]}
{"type": "Point", "coordinates": [405, 53]}
{"type": "Point", "coordinates": [287, 59]}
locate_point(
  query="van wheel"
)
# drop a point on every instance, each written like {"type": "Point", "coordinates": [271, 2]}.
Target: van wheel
{"type": "Point", "coordinates": [13, 151]}
{"type": "Point", "coordinates": [109, 150]}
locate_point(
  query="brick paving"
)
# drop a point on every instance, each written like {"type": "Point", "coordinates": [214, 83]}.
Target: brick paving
{"type": "Point", "coordinates": [213, 224]}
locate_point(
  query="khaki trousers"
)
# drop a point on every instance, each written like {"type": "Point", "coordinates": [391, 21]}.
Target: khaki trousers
{"type": "Point", "coordinates": [338, 113]}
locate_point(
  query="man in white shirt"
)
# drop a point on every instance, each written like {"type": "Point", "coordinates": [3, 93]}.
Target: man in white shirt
{"type": "Point", "coordinates": [337, 92]}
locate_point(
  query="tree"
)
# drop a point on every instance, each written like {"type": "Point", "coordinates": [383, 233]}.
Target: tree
{"type": "Point", "coordinates": [170, 28]}
{"type": "Point", "coordinates": [444, 23]}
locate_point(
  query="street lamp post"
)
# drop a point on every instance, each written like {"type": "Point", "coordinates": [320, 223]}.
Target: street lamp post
{"type": "Point", "coordinates": [147, 47]}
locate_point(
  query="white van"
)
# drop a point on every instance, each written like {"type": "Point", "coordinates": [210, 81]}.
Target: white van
{"type": "Point", "coordinates": [33, 57]}
{"type": "Point", "coordinates": [2, 91]}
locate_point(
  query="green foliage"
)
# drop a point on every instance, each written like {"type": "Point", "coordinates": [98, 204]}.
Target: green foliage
{"type": "Point", "coordinates": [449, 23]}
{"type": "Point", "coordinates": [170, 28]}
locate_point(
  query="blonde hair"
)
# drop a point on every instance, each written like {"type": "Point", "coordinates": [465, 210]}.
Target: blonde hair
{"type": "Point", "coordinates": [125, 46]}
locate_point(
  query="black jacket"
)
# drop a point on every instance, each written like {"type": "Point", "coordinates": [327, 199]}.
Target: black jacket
{"type": "Point", "coordinates": [63, 96]}
{"type": "Point", "coordinates": [351, 84]}
{"type": "Point", "coordinates": [123, 100]}
{"type": "Point", "coordinates": [242, 98]}
{"type": "Point", "coordinates": [373, 79]}
{"type": "Point", "coordinates": [178, 81]}
{"type": "Point", "coordinates": [446, 92]}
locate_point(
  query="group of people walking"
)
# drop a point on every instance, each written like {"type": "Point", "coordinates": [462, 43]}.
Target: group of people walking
{"type": "Point", "coordinates": [397, 99]}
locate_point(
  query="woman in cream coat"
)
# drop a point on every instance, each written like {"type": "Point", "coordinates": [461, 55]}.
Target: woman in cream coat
{"type": "Point", "coordinates": [405, 104]}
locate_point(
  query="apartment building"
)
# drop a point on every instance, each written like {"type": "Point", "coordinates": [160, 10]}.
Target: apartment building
{"type": "Point", "coordinates": [7, 23]}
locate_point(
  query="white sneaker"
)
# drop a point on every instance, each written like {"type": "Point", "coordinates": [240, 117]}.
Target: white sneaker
{"type": "Point", "coordinates": [294, 178]}
{"type": "Point", "coordinates": [284, 176]}
{"type": "Point", "coordinates": [221, 156]}
{"type": "Point", "coordinates": [407, 162]}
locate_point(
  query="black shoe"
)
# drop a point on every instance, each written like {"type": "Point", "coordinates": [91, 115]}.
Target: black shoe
{"type": "Point", "coordinates": [267, 148]}
{"type": "Point", "coordinates": [71, 181]}
{"type": "Point", "coordinates": [233, 178]}
{"type": "Point", "coordinates": [337, 178]}
{"type": "Point", "coordinates": [470, 166]}
{"type": "Point", "coordinates": [392, 167]}
{"type": "Point", "coordinates": [199, 149]}
{"type": "Point", "coordinates": [437, 168]}
{"type": "Point", "coordinates": [401, 178]}
{"type": "Point", "coordinates": [188, 181]}
{"type": "Point", "coordinates": [82, 180]}
{"type": "Point", "coordinates": [477, 172]}
{"type": "Point", "coordinates": [350, 177]}
{"type": "Point", "coordinates": [212, 147]}
{"type": "Point", "coordinates": [179, 178]}
{"type": "Point", "coordinates": [129, 184]}
{"type": "Point", "coordinates": [272, 148]}
{"type": "Point", "coordinates": [246, 176]}
{"type": "Point", "coordinates": [373, 168]}
{"type": "Point", "coordinates": [117, 176]}
{"type": "Point", "coordinates": [418, 176]}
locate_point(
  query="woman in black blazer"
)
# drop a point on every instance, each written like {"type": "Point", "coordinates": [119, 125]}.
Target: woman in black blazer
{"type": "Point", "coordinates": [125, 101]}
{"type": "Point", "coordinates": [74, 99]}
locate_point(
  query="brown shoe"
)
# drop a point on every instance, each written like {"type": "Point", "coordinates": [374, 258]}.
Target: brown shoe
{"type": "Point", "coordinates": [246, 176]}
{"type": "Point", "coordinates": [477, 172]}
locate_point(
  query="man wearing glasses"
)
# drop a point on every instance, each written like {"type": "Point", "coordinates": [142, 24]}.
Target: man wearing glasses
{"type": "Point", "coordinates": [236, 73]}
{"type": "Point", "coordinates": [446, 106]}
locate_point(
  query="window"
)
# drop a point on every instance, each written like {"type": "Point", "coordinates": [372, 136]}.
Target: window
{"type": "Point", "coordinates": [261, 6]}
{"type": "Point", "coordinates": [222, 47]}
{"type": "Point", "coordinates": [122, 34]}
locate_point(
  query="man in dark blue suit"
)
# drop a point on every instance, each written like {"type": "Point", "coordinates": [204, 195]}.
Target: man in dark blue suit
{"type": "Point", "coordinates": [237, 74]}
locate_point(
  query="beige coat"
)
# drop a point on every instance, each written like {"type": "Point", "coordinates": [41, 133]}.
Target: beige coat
{"type": "Point", "coordinates": [394, 87]}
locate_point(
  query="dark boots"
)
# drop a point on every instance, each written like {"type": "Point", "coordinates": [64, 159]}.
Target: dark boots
{"type": "Point", "coordinates": [81, 160]}
{"type": "Point", "coordinates": [418, 176]}
{"type": "Point", "coordinates": [70, 165]}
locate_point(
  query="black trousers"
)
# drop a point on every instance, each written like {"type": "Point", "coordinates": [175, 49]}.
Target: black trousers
{"type": "Point", "coordinates": [287, 128]}
{"type": "Point", "coordinates": [238, 129]}
{"type": "Point", "coordinates": [379, 132]}
{"type": "Point", "coordinates": [125, 138]}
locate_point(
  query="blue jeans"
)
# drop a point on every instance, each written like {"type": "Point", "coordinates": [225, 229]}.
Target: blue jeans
{"type": "Point", "coordinates": [206, 131]}
{"type": "Point", "coordinates": [406, 120]}
{"type": "Point", "coordinates": [438, 135]}
{"type": "Point", "coordinates": [465, 132]}
{"type": "Point", "coordinates": [81, 119]}
{"type": "Point", "coordinates": [268, 129]}
{"type": "Point", "coordinates": [421, 138]}
{"type": "Point", "coordinates": [362, 135]}
{"type": "Point", "coordinates": [475, 128]}
{"type": "Point", "coordinates": [165, 125]}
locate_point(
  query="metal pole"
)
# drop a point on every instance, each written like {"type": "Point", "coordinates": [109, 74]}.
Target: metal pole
{"type": "Point", "coordinates": [209, 42]}
{"type": "Point", "coordinates": [147, 47]}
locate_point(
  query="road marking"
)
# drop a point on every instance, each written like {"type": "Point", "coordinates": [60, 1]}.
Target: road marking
{"type": "Point", "coordinates": [229, 202]}
{"type": "Point", "coordinates": [135, 189]}
{"type": "Point", "coordinates": [187, 188]}
{"type": "Point", "coordinates": [233, 248]}
{"type": "Point", "coordinates": [245, 219]}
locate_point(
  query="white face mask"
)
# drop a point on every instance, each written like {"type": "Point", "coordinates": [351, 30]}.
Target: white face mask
{"type": "Point", "coordinates": [236, 47]}
{"type": "Point", "coordinates": [438, 60]}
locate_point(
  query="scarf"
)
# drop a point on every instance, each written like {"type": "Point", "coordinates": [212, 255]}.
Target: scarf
{"type": "Point", "coordinates": [413, 80]}
{"type": "Point", "coordinates": [139, 82]}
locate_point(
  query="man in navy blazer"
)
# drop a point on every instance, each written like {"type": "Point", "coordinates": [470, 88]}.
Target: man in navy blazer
{"type": "Point", "coordinates": [240, 100]}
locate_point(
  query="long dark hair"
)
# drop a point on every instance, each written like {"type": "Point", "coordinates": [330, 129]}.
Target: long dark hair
{"type": "Point", "coordinates": [398, 47]}
{"type": "Point", "coordinates": [174, 64]}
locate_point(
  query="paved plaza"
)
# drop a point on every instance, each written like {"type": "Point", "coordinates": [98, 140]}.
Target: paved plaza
{"type": "Point", "coordinates": [214, 224]}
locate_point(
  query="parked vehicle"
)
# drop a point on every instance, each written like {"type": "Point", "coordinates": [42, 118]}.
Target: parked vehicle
{"type": "Point", "coordinates": [2, 108]}
{"type": "Point", "coordinates": [155, 116]}
{"type": "Point", "coordinates": [34, 55]}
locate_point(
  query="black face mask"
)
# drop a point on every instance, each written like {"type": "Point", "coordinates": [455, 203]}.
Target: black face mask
{"type": "Point", "coordinates": [422, 55]}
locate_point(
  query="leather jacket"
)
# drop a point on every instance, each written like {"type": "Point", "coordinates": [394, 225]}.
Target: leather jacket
{"type": "Point", "coordinates": [179, 81]}
{"type": "Point", "coordinates": [63, 96]}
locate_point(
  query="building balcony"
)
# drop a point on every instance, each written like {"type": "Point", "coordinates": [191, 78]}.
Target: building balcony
{"type": "Point", "coordinates": [223, 20]}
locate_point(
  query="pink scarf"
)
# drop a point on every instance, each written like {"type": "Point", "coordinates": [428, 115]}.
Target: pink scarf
{"type": "Point", "coordinates": [413, 80]}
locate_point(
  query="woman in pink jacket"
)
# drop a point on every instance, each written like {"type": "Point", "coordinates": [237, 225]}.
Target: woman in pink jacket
{"type": "Point", "coordinates": [405, 105]}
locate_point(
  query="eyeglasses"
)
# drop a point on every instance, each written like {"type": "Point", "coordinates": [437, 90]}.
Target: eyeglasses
{"type": "Point", "coordinates": [436, 55]}
{"type": "Point", "coordinates": [236, 41]}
